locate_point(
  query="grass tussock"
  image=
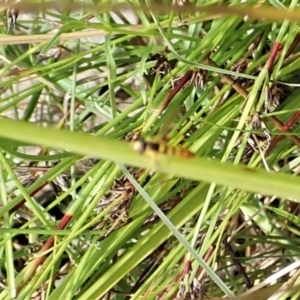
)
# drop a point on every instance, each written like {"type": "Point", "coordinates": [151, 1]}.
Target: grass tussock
{"type": "Point", "coordinates": [208, 206]}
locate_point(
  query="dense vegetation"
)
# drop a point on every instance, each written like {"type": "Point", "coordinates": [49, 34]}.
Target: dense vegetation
{"type": "Point", "coordinates": [207, 208]}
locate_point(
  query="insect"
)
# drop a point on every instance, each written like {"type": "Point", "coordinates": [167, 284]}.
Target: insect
{"type": "Point", "coordinates": [179, 4]}
{"type": "Point", "coordinates": [159, 144]}
{"type": "Point", "coordinates": [11, 16]}
{"type": "Point", "coordinates": [153, 148]}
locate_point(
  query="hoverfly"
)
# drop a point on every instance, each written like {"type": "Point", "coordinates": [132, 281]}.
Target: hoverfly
{"type": "Point", "coordinates": [159, 144]}
{"type": "Point", "coordinates": [181, 3]}
{"type": "Point", "coordinates": [152, 148]}
{"type": "Point", "coordinates": [11, 17]}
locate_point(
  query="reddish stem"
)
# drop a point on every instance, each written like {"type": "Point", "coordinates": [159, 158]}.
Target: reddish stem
{"type": "Point", "coordinates": [187, 267]}
{"type": "Point", "coordinates": [269, 64]}
{"type": "Point", "coordinates": [183, 80]}
{"type": "Point", "coordinates": [41, 257]}
{"type": "Point", "coordinates": [21, 203]}
{"type": "Point", "coordinates": [273, 53]}
{"type": "Point", "coordinates": [293, 46]}
{"type": "Point", "coordinates": [283, 128]}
